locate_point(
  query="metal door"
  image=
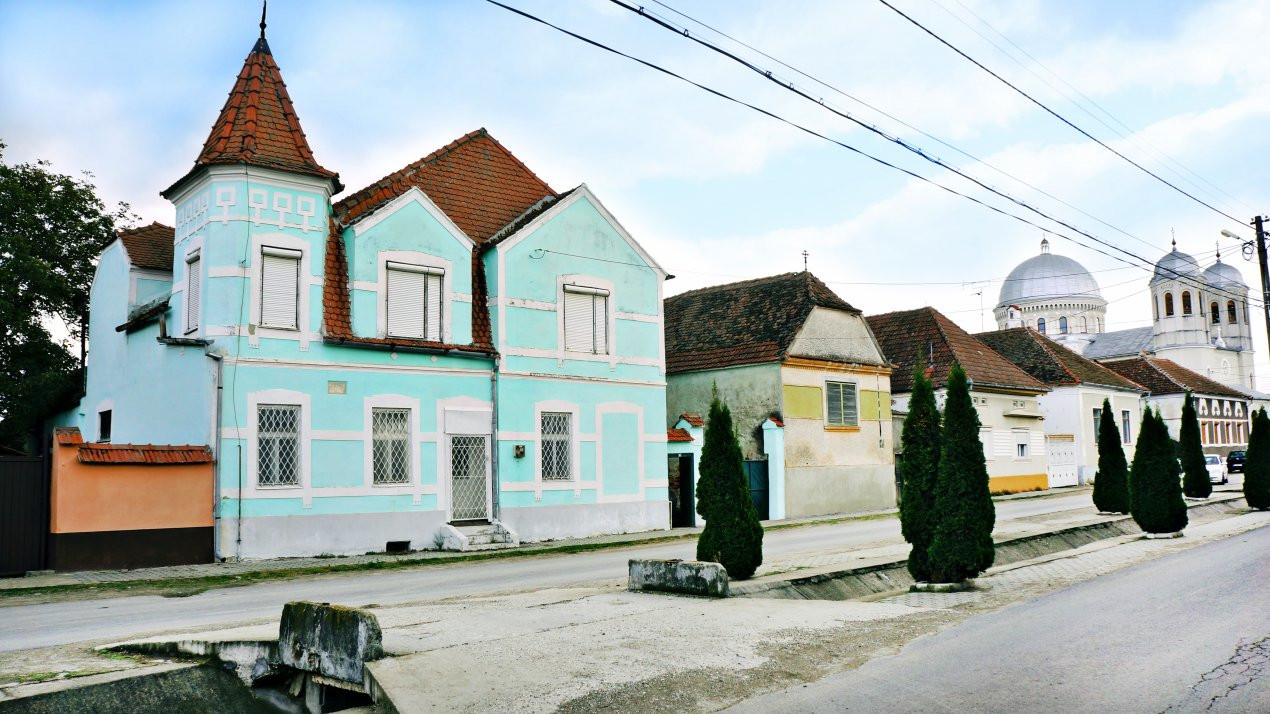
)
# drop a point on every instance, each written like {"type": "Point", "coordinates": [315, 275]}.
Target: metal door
{"type": "Point", "coordinates": [24, 511]}
{"type": "Point", "coordinates": [1062, 467]}
{"type": "Point", "coordinates": [756, 476]}
{"type": "Point", "coordinates": [682, 491]}
{"type": "Point", "coordinates": [469, 478]}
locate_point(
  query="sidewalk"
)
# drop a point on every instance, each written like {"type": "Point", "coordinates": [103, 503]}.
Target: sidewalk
{"type": "Point", "coordinates": [281, 567]}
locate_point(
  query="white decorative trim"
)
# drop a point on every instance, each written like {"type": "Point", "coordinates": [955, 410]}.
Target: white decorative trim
{"type": "Point", "coordinates": [228, 271]}
{"type": "Point", "coordinates": [412, 195]}
{"type": "Point", "coordinates": [575, 449]}
{"type": "Point", "coordinates": [278, 240]}
{"type": "Point", "coordinates": [329, 492]}
{"type": "Point", "coordinates": [591, 282]}
{"type": "Point", "coordinates": [531, 304]}
{"type": "Point", "coordinates": [412, 257]}
{"type": "Point", "coordinates": [194, 245]}
{"type": "Point", "coordinates": [580, 357]}
{"type": "Point", "coordinates": [457, 416]}
{"type": "Point", "coordinates": [391, 401]}
{"type": "Point", "coordinates": [544, 376]}
{"type": "Point", "coordinates": [136, 274]}
{"type": "Point", "coordinates": [395, 367]}
{"type": "Point", "coordinates": [637, 317]}
{"type": "Point", "coordinates": [251, 478]}
{"type": "Point", "coordinates": [602, 409]}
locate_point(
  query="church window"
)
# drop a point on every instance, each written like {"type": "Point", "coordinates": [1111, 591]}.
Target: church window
{"type": "Point", "coordinates": [1216, 312]}
{"type": "Point", "coordinates": [1231, 317]}
{"type": "Point", "coordinates": [1084, 325]}
{"type": "Point", "coordinates": [1062, 325]}
{"type": "Point", "coordinates": [1168, 304]}
{"type": "Point", "coordinates": [1186, 302]}
{"type": "Point", "coordinates": [1040, 325]}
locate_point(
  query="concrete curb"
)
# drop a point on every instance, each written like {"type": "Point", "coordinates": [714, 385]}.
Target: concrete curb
{"type": "Point", "coordinates": [851, 583]}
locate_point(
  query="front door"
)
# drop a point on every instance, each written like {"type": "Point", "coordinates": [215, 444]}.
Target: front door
{"type": "Point", "coordinates": [683, 500]}
{"type": "Point", "coordinates": [469, 478]}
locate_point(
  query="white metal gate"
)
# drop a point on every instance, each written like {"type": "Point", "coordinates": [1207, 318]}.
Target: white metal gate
{"type": "Point", "coordinates": [469, 477]}
{"type": "Point", "coordinates": [1062, 467]}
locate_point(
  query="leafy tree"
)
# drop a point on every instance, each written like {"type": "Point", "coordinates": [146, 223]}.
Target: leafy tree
{"type": "Point", "coordinates": [919, 471]}
{"type": "Point", "coordinates": [1257, 464]}
{"type": "Point", "coordinates": [1111, 484]}
{"type": "Point", "coordinates": [52, 228]}
{"type": "Point", "coordinates": [1195, 481]}
{"type": "Point", "coordinates": [733, 535]}
{"type": "Point", "coordinates": [1155, 495]}
{"type": "Point", "coordinates": [962, 545]}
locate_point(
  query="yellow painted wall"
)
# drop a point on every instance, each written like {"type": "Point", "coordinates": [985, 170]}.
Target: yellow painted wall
{"type": "Point", "coordinates": [803, 402]}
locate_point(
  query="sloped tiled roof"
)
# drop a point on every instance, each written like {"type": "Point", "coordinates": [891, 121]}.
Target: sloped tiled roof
{"type": "Point", "coordinates": [258, 125]}
{"type": "Point", "coordinates": [749, 322]}
{"type": "Point", "coordinates": [693, 419]}
{"type": "Point", "coordinates": [1121, 343]}
{"type": "Point", "coordinates": [150, 246]}
{"type": "Point", "coordinates": [678, 435]}
{"type": "Point", "coordinates": [474, 180]}
{"type": "Point", "coordinates": [143, 454]}
{"type": "Point", "coordinates": [67, 435]}
{"type": "Point", "coordinates": [1049, 361]}
{"type": "Point", "coordinates": [902, 335]}
{"type": "Point", "coordinates": [1163, 376]}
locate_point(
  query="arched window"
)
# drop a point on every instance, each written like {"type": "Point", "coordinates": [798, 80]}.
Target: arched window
{"type": "Point", "coordinates": [1168, 304]}
{"type": "Point", "coordinates": [1216, 313]}
{"type": "Point", "coordinates": [1040, 325]}
{"type": "Point", "coordinates": [1062, 326]}
{"type": "Point", "coordinates": [1231, 316]}
{"type": "Point", "coordinates": [1186, 302]}
{"type": "Point", "coordinates": [1084, 325]}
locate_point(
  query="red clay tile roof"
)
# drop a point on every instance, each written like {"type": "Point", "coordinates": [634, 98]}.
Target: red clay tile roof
{"type": "Point", "coordinates": [1163, 376]}
{"type": "Point", "coordinates": [150, 246]}
{"type": "Point", "coordinates": [1051, 362]}
{"type": "Point", "coordinates": [674, 435]}
{"type": "Point", "coordinates": [474, 180]}
{"type": "Point", "coordinates": [258, 125]}
{"type": "Point", "coordinates": [903, 335]}
{"type": "Point", "coordinates": [67, 435]}
{"type": "Point", "coordinates": [750, 322]}
{"type": "Point", "coordinates": [693, 419]}
{"type": "Point", "coordinates": [143, 454]}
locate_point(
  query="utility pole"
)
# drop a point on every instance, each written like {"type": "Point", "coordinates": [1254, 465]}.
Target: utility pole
{"type": "Point", "coordinates": [1265, 278]}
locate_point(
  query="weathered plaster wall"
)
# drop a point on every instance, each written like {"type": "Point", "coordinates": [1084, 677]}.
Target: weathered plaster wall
{"type": "Point", "coordinates": [752, 393]}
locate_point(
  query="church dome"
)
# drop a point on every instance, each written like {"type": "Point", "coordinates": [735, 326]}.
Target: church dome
{"type": "Point", "coordinates": [1175, 264]}
{"type": "Point", "coordinates": [1048, 276]}
{"type": "Point", "coordinates": [1222, 275]}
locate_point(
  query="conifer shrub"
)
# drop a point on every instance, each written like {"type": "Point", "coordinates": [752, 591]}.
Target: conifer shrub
{"type": "Point", "coordinates": [1195, 481]}
{"type": "Point", "coordinates": [918, 468]}
{"type": "Point", "coordinates": [1155, 493]}
{"type": "Point", "coordinates": [962, 544]}
{"type": "Point", "coordinates": [733, 536]}
{"type": "Point", "coordinates": [1257, 464]}
{"type": "Point", "coordinates": [1111, 482]}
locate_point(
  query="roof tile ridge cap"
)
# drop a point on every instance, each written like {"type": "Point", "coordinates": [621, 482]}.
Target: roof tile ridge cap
{"type": "Point", "coordinates": [1053, 355]}
{"type": "Point", "coordinates": [484, 132]}
{"type": "Point", "coordinates": [1167, 375]}
{"type": "Point", "coordinates": [729, 286]}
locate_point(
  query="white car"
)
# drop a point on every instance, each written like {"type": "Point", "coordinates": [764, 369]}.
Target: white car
{"type": "Point", "coordinates": [1216, 468]}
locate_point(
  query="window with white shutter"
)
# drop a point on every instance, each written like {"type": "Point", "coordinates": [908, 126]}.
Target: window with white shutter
{"type": "Point", "coordinates": [586, 320]}
{"type": "Point", "coordinates": [279, 288]}
{"type": "Point", "coordinates": [414, 301]}
{"type": "Point", "coordinates": [193, 290]}
{"type": "Point", "coordinates": [842, 407]}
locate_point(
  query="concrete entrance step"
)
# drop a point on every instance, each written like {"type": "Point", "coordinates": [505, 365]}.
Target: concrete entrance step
{"type": "Point", "coordinates": [480, 536]}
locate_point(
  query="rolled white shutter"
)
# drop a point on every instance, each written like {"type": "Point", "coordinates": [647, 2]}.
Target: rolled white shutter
{"type": "Point", "coordinates": [600, 327]}
{"type": "Point", "coordinates": [407, 291]}
{"type": "Point", "coordinates": [434, 298]}
{"type": "Point", "coordinates": [279, 292]}
{"type": "Point", "coordinates": [578, 321]}
{"type": "Point", "coordinates": [193, 292]}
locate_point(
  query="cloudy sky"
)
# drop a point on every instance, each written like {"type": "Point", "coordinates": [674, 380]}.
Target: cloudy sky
{"type": "Point", "coordinates": [714, 190]}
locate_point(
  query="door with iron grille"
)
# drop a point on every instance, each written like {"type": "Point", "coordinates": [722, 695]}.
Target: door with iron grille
{"type": "Point", "coordinates": [469, 478]}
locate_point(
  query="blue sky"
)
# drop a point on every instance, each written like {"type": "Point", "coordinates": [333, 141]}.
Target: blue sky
{"type": "Point", "coordinates": [716, 192]}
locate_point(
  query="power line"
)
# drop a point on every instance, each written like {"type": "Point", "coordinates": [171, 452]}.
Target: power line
{"type": "Point", "coordinates": [1056, 115]}
{"type": "Point", "coordinates": [789, 86]}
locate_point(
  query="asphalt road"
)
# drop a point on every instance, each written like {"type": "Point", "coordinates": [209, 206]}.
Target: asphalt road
{"type": "Point", "coordinates": [30, 626]}
{"type": "Point", "coordinates": [1185, 633]}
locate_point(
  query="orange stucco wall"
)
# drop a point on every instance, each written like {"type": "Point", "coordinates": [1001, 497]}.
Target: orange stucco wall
{"type": "Point", "coordinates": [125, 497]}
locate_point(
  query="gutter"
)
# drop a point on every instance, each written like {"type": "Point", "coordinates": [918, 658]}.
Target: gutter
{"type": "Point", "coordinates": [216, 449]}
{"type": "Point", "coordinates": [495, 508]}
{"type": "Point", "coordinates": [421, 349]}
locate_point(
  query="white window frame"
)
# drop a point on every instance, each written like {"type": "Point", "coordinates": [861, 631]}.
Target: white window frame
{"type": "Point", "coordinates": [297, 257]}
{"type": "Point", "coordinates": [1022, 444]}
{"type": "Point", "coordinates": [280, 397]}
{"type": "Point", "coordinates": [305, 283]}
{"type": "Point", "coordinates": [1126, 426]}
{"type": "Point", "coordinates": [299, 417]}
{"type": "Point", "coordinates": [405, 438]}
{"type": "Point", "coordinates": [985, 439]}
{"type": "Point", "coordinates": [194, 285]}
{"type": "Point", "coordinates": [592, 295]}
{"type": "Point", "coordinates": [568, 438]}
{"type": "Point", "coordinates": [424, 262]}
{"type": "Point", "coordinates": [855, 387]}
{"type": "Point", "coordinates": [431, 333]}
{"type": "Point", "coordinates": [390, 401]}
{"type": "Point", "coordinates": [575, 451]}
{"type": "Point", "coordinates": [584, 283]}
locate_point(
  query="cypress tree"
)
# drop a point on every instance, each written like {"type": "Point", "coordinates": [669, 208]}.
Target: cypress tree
{"type": "Point", "coordinates": [733, 536]}
{"type": "Point", "coordinates": [962, 545]}
{"type": "Point", "coordinates": [1111, 483]}
{"type": "Point", "coordinates": [918, 467]}
{"type": "Point", "coordinates": [1195, 481]}
{"type": "Point", "coordinates": [1155, 494]}
{"type": "Point", "coordinates": [1257, 465]}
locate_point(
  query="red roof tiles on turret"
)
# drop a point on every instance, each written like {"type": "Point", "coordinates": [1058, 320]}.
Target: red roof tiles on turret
{"type": "Point", "coordinates": [150, 246]}
{"type": "Point", "coordinates": [258, 125]}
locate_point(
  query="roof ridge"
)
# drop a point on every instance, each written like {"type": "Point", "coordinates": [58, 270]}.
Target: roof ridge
{"type": "Point", "coordinates": [737, 284]}
{"type": "Point", "coordinates": [1151, 362]}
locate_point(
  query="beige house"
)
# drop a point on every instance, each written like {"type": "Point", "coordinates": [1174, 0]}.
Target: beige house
{"type": "Point", "coordinates": [1011, 423]}
{"type": "Point", "coordinates": [806, 383]}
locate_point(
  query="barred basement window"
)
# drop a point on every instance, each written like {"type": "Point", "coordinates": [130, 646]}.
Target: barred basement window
{"type": "Point", "coordinates": [278, 445]}
{"type": "Point", "coordinates": [842, 405]}
{"type": "Point", "coordinates": [557, 445]}
{"type": "Point", "coordinates": [390, 445]}
{"type": "Point", "coordinates": [586, 320]}
{"type": "Point", "coordinates": [414, 301]}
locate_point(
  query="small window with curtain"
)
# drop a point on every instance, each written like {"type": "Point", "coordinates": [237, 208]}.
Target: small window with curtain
{"type": "Point", "coordinates": [279, 288]}
{"type": "Point", "coordinates": [586, 320]}
{"type": "Point", "coordinates": [414, 301]}
{"type": "Point", "coordinates": [842, 406]}
{"type": "Point", "coordinates": [390, 445]}
{"type": "Point", "coordinates": [193, 290]}
{"type": "Point", "coordinates": [556, 438]}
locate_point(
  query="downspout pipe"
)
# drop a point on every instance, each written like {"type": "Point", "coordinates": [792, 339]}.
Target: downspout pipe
{"type": "Point", "coordinates": [493, 450]}
{"type": "Point", "coordinates": [216, 452]}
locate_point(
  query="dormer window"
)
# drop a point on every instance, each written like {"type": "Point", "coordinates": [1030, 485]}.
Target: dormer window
{"type": "Point", "coordinates": [414, 301]}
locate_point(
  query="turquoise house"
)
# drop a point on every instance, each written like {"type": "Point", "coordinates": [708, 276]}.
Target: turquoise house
{"type": "Point", "coordinates": [456, 356]}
